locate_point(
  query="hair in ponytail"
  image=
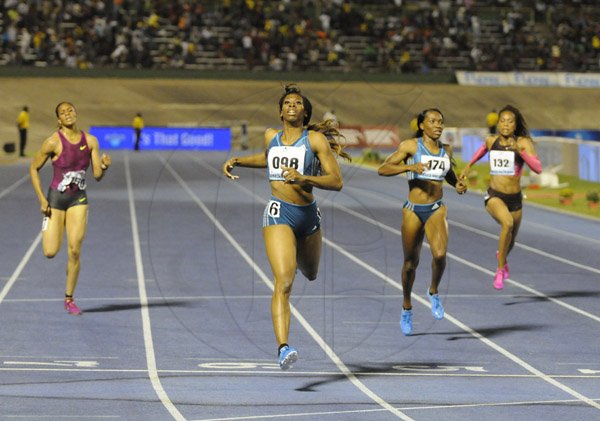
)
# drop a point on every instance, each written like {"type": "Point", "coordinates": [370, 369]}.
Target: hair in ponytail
{"type": "Point", "coordinates": [329, 129]}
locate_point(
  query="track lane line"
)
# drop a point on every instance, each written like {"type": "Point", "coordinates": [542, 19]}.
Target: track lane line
{"type": "Point", "coordinates": [474, 265]}
{"type": "Point", "coordinates": [146, 324]}
{"type": "Point", "coordinates": [14, 186]}
{"type": "Point", "coordinates": [455, 321]}
{"type": "Point", "coordinates": [305, 324]}
{"type": "Point", "coordinates": [494, 236]}
{"type": "Point", "coordinates": [20, 267]}
{"type": "Point", "coordinates": [471, 331]}
{"type": "Point", "coordinates": [453, 256]}
{"type": "Point", "coordinates": [481, 194]}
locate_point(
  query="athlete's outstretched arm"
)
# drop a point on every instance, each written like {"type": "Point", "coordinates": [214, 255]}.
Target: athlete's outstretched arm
{"type": "Point", "coordinates": [479, 153]}
{"type": "Point", "coordinates": [258, 160]}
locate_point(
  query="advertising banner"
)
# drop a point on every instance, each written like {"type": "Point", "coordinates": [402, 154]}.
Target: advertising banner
{"type": "Point", "coordinates": [164, 138]}
{"type": "Point", "coordinates": [563, 79]}
{"type": "Point", "coordinates": [379, 137]}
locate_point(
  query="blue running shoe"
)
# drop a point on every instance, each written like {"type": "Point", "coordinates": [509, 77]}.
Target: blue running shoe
{"type": "Point", "coordinates": [437, 309]}
{"type": "Point", "coordinates": [406, 322]}
{"type": "Point", "coordinates": [287, 356]}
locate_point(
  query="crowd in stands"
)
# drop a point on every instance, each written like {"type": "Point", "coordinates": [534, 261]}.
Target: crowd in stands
{"type": "Point", "coordinates": [338, 35]}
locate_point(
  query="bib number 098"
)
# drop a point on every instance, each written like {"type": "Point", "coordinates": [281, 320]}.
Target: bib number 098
{"type": "Point", "coordinates": [284, 161]}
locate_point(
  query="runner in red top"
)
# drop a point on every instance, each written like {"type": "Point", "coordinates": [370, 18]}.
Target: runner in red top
{"type": "Point", "coordinates": [66, 205]}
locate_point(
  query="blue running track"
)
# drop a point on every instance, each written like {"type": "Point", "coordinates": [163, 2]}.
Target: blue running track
{"type": "Point", "coordinates": [175, 289]}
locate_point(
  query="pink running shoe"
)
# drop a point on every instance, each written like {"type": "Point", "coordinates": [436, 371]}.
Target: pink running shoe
{"type": "Point", "coordinates": [499, 279]}
{"type": "Point", "coordinates": [72, 308]}
{"type": "Point", "coordinates": [506, 271]}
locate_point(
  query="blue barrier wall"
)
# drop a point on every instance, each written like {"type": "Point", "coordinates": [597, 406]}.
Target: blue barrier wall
{"type": "Point", "coordinates": [589, 162]}
{"type": "Point", "coordinates": [470, 144]}
{"type": "Point", "coordinates": [165, 138]}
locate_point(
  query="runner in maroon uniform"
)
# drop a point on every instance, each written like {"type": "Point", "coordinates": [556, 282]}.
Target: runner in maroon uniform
{"type": "Point", "coordinates": [66, 205]}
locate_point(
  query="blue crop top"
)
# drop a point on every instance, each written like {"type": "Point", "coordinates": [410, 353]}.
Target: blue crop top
{"type": "Point", "coordinates": [298, 155]}
{"type": "Point", "coordinates": [438, 164]}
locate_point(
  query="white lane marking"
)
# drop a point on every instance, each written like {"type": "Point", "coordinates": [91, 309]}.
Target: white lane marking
{"type": "Point", "coordinates": [408, 408]}
{"type": "Point", "coordinates": [475, 266]}
{"type": "Point", "coordinates": [482, 193]}
{"type": "Point", "coordinates": [20, 267]}
{"type": "Point", "coordinates": [483, 233]}
{"type": "Point", "coordinates": [468, 329]}
{"type": "Point", "coordinates": [455, 321]}
{"type": "Point", "coordinates": [14, 186]}
{"type": "Point", "coordinates": [55, 363]}
{"type": "Point", "coordinates": [529, 248]}
{"type": "Point", "coordinates": [306, 296]}
{"type": "Point", "coordinates": [38, 416]}
{"type": "Point", "coordinates": [146, 325]}
{"type": "Point", "coordinates": [533, 291]}
{"type": "Point", "coordinates": [305, 324]}
{"type": "Point", "coordinates": [264, 370]}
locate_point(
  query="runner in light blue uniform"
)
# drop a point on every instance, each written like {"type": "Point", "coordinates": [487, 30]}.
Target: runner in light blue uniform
{"type": "Point", "coordinates": [427, 163]}
{"type": "Point", "coordinates": [438, 167]}
{"type": "Point", "coordinates": [299, 158]}
{"type": "Point", "coordinates": [303, 219]}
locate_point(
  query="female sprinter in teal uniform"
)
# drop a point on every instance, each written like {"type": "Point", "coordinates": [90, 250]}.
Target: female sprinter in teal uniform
{"type": "Point", "coordinates": [299, 158]}
{"type": "Point", "coordinates": [509, 151]}
{"type": "Point", "coordinates": [66, 206]}
{"type": "Point", "coordinates": [428, 163]}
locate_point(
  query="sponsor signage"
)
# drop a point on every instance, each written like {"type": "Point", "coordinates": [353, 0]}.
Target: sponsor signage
{"type": "Point", "coordinates": [562, 79]}
{"type": "Point", "coordinates": [164, 138]}
{"type": "Point", "coordinates": [571, 134]}
{"type": "Point", "coordinates": [383, 137]}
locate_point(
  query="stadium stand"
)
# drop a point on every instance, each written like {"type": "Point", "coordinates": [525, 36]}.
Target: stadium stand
{"type": "Point", "coordinates": [326, 35]}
